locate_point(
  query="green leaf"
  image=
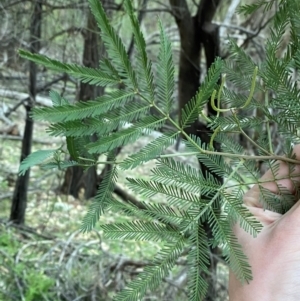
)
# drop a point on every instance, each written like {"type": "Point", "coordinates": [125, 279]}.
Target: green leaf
{"type": "Point", "coordinates": [192, 109]}
{"type": "Point", "coordinates": [85, 74]}
{"type": "Point", "coordinates": [71, 146]}
{"type": "Point", "coordinates": [107, 67]}
{"type": "Point", "coordinates": [83, 110]}
{"type": "Point", "coordinates": [239, 70]}
{"type": "Point", "coordinates": [182, 175]}
{"type": "Point", "coordinates": [150, 151]}
{"type": "Point", "coordinates": [165, 72]}
{"type": "Point", "coordinates": [101, 125]}
{"type": "Point", "coordinates": [114, 46]}
{"type": "Point", "coordinates": [163, 213]}
{"type": "Point", "coordinates": [57, 100]}
{"type": "Point", "coordinates": [232, 250]}
{"type": "Point", "coordinates": [34, 159]}
{"type": "Point", "coordinates": [123, 137]}
{"type": "Point", "coordinates": [238, 213]}
{"type": "Point", "coordinates": [198, 262]}
{"type": "Point", "coordinates": [77, 148]}
{"type": "Point", "coordinates": [139, 230]}
{"type": "Point", "coordinates": [101, 201]}
{"type": "Point", "coordinates": [214, 162]}
{"type": "Point", "coordinates": [175, 196]}
{"type": "Point", "coordinates": [141, 56]}
{"type": "Point", "coordinates": [153, 274]}
{"type": "Point", "coordinates": [249, 9]}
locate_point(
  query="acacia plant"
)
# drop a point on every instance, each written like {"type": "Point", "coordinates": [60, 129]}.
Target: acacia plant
{"type": "Point", "coordinates": [142, 105]}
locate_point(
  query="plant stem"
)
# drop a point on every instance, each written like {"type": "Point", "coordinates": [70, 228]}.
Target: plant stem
{"type": "Point", "coordinates": [229, 155]}
{"type": "Point", "coordinates": [208, 152]}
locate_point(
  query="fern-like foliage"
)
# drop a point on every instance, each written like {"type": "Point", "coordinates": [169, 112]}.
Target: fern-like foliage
{"type": "Point", "coordinates": [143, 104]}
{"type": "Point", "coordinates": [85, 74]}
{"type": "Point", "coordinates": [251, 8]}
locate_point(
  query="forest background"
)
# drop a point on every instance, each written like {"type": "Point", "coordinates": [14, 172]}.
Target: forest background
{"type": "Point", "coordinates": [43, 255]}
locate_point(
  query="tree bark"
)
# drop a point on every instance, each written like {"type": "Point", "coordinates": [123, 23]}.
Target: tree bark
{"type": "Point", "coordinates": [197, 34]}
{"type": "Point", "coordinates": [19, 201]}
{"type": "Point", "coordinates": [76, 180]}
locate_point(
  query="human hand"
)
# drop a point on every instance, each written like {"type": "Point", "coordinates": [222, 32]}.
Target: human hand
{"type": "Point", "coordinates": [274, 255]}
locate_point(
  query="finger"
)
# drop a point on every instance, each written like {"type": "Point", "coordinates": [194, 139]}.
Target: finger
{"type": "Point", "coordinates": [266, 217]}
{"type": "Point", "coordinates": [251, 198]}
{"type": "Point", "coordinates": [290, 221]}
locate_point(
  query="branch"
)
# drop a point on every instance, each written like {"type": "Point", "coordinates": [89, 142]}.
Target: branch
{"type": "Point", "coordinates": [39, 89]}
{"type": "Point", "coordinates": [257, 32]}
{"type": "Point", "coordinates": [123, 262]}
{"type": "Point", "coordinates": [83, 5]}
{"type": "Point", "coordinates": [71, 29]}
{"type": "Point", "coordinates": [180, 11]}
{"type": "Point", "coordinates": [44, 101]}
{"type": "Point", "coordinates": [230, 12]}
{"type": "Point", "coordinates": [230, 155]}
{"type": "Point", "coordinates": [26, 229]}
{"type": "Point", "coordinates": [125, 196]}
{"type": "Point", "coordinates": [79, 4]}
{"type": "Point", "coordinates": [20, 138]}
{"type": "Point", "coordinates": [235, 27]}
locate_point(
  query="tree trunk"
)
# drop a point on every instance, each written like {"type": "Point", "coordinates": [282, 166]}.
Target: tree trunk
{"type": "Point", "coordinates": [76, 181]}
{"type": "Point", "coordinates": [19, 201]}
{"type": "Point", "coordinates": [197, 33]}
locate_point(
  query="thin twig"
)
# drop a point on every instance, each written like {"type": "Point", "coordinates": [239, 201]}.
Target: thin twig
{"type": "Point", "coordinates": [20, 138]}
{"type": "Point", "coordinates": [39, 90]}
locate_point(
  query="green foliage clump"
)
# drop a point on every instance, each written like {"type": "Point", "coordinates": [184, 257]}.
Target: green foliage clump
{"type": "Point", "coordinates": [139, 102]}
{"type": "Point", "coordinates": [20, 280]}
